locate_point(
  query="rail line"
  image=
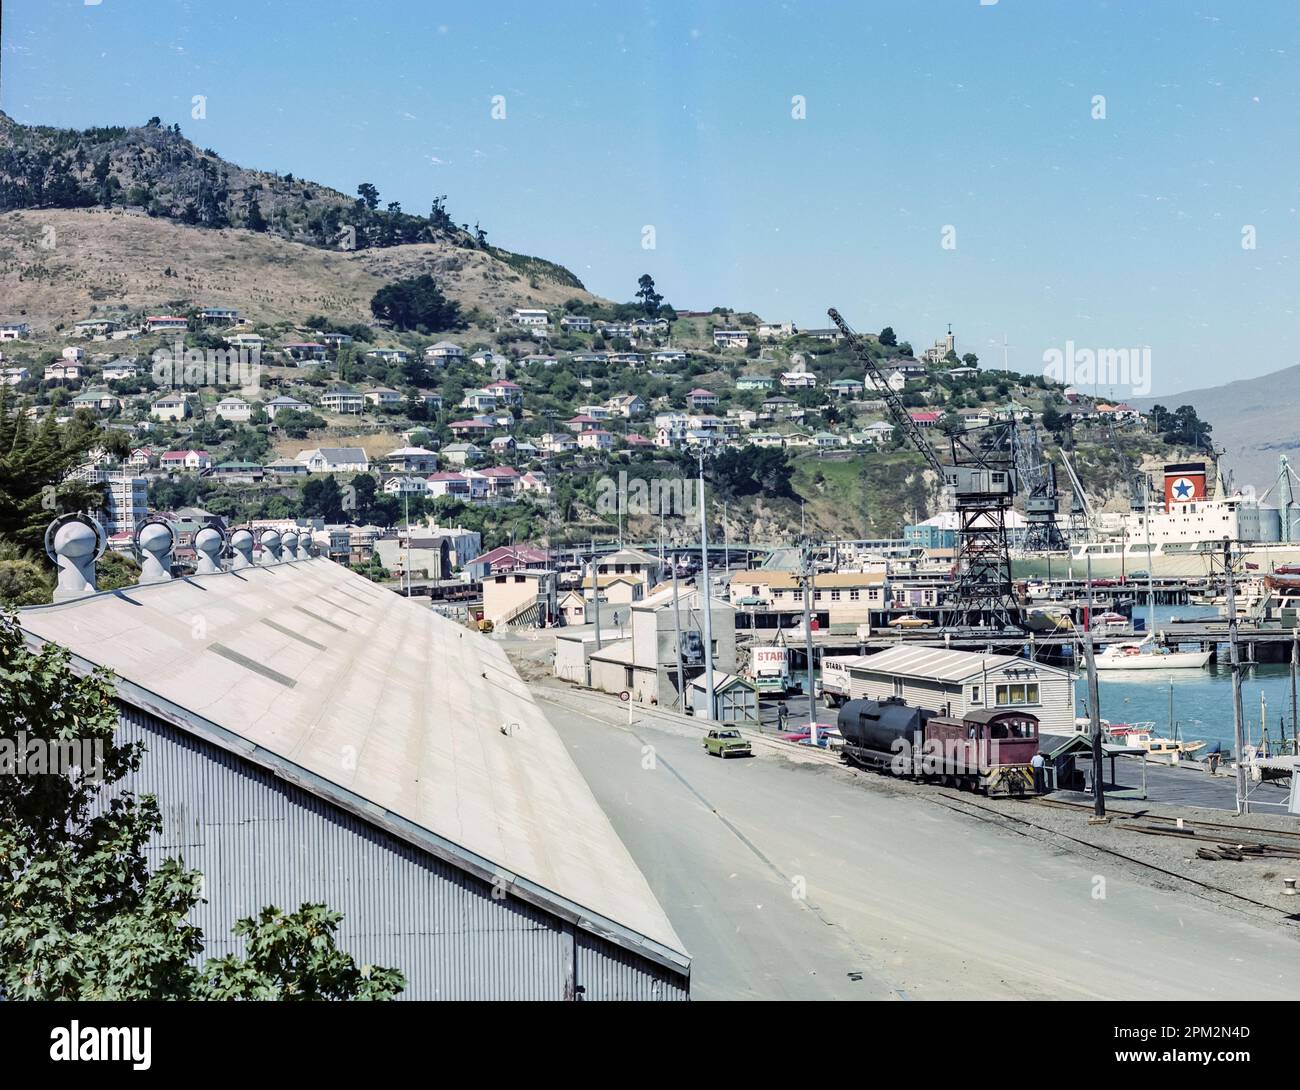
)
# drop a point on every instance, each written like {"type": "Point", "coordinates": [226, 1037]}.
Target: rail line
{"type": "Point", "coordinates": [1209, 886]}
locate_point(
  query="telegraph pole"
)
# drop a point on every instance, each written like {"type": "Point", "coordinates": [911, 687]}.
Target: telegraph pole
{"type": "Point", "coordinates": [1238, 741]}
{"type": "Point", "coordinates": [595, 593]}
{"type": "Point", "coordinates": [677, 626]}
{"type": "Point", "coordinates": [1094, 698]}
{"type": "Point", "coordinates": [706, 601]}
{"type": "Point", "coordinates": [1295, 665]}
{"type": "Point", "coordinates": [807, 578]}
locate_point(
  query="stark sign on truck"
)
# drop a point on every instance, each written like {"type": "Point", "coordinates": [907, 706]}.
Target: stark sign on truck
{"type": "Point", "coordinates": [769, 667]}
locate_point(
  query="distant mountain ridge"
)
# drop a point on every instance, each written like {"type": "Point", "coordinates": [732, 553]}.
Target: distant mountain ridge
{"type": "Point", "coordinates": [1254, 421]}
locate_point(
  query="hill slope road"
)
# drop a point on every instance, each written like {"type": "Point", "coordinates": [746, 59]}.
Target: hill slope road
{"type": "Point", "coordinates": [792, 881]}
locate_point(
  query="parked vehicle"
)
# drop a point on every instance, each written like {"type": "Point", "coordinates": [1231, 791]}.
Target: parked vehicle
{"type": "Point", "coordinates": [726, 742]}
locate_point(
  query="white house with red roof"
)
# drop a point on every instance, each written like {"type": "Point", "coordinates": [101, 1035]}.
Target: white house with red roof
{"type": "Point", "coordinates": [186, 459]}
{"type": "Point", "coordinates": [702, 399]}
{"type": "Point", "coordinates": [924, 419]}
{"type": "Point", "coordinates": [505, 391]}
{"type": "Point", "coordinates": [595, 439]}
{"type": "Point", "coordinates": [447, 483]}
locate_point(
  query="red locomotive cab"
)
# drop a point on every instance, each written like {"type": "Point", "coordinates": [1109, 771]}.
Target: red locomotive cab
{"type": "Point", "coordinates": [1011, 739]}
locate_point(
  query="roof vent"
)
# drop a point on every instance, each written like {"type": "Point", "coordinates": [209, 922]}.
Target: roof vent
{"type": "Point", "coordinates": [209, 544]}
{"type": "Point", "coordinates": [74, 543]}
{"type": "Point", "coordinates": [271, 547]}
{"type": "Point", "coordinates": [154, 541]}
{"type": "Point", "coordinates": [241, 541]}
{"type": "Point", "coordinates": [289, 543]}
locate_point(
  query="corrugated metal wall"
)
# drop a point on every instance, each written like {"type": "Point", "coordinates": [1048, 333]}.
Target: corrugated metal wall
{"type": "Point", "coordinates": [260, 841]}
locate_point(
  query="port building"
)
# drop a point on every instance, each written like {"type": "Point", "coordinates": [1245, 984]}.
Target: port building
{"type": "Point", "coordinates": [312, 737]}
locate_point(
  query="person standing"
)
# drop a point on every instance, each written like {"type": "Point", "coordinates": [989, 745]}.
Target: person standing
{"type": "Point", "coordinates": [1040, 778]}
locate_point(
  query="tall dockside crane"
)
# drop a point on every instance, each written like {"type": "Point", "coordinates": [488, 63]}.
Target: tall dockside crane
{"type": "Point", "coordinates": [982, 481]}
{"type": "Point", "coordinates": [1042, 498]}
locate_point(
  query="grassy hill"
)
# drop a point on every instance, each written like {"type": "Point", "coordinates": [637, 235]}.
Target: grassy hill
{"type": "Point", "coordinates": [97, 257]}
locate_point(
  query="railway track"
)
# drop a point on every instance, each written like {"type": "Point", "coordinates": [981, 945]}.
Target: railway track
{"type": "Point", "coordinates": [965, 805]}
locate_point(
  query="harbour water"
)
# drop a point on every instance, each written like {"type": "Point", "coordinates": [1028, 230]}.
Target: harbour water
{"type": "Point", "coordinates": [1202, 699]}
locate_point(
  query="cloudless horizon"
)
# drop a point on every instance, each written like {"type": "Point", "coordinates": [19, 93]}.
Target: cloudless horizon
{"type": "Point", "coordinates": [1123, 232]}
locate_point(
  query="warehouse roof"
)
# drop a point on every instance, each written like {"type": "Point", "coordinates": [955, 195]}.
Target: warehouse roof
{"type": "Point", "coordinates": [375, 702]}
{"type": "Point", "coordinates": [940, 664]}
{"type": "Point", "coordinates": [786, 580]}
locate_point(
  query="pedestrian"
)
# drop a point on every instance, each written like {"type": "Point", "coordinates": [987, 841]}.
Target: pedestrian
{"type": "Point", "coordinates": [1038, 765]}
{"type": "Point", "coordinates": [782, 714]}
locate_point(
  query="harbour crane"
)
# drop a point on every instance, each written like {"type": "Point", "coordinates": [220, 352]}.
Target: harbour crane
{"type": "Point", "coordinates": [982, 480]}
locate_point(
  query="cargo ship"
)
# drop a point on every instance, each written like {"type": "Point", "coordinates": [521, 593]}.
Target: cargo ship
{"type": "Point", "coordinates": [1182, 535]}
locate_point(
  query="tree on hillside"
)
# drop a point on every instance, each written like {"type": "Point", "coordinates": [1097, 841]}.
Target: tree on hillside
{"type": "Point", "coordinates": [85, 918]}
{"type": "Point", "coordinates": [416, 303]}
{"type": "Point", "coordinates": [650, 299]}
{"type": "Point", "coordinates": [368, 195]}
{"type": "Point", "coordinates": [888, 338]}
{"type": "Point", "coordinates": [255, 221]}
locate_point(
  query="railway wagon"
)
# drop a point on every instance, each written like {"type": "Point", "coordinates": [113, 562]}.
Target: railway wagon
{"type": "Point", "coordinates": [986, 750]}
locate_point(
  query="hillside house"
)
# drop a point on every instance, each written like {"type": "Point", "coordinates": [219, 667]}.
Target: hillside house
{"type": "Point", "coordinates": [384, 397]}
{"type": "Point", "coordinates": [448, 483]}
{"type": "Point", "coordinates": [575, 323]}
{"type": "Point", "coordinates": [335, 460]}
{"type": "Point", "coordinates": [731, 338]}
{"type": "Point", "coordinates": [701, 399]}
{"type": "Point", "coordinates": [162, 323]}
{"type": "Point", "coordinates": [343, 400]}
{"type": "Point", "coordinates": [443, 353]}
{"type": "Point", "coordinates": [170, 407]}
{"type": "Point", "coordinates": [531, 317]}
{"type": "Point", "coordinates": [234, 409]}
{"type": "Point", "coordinates": [284, 403]}
{"type": "Point", "coordinates": [461, 454]}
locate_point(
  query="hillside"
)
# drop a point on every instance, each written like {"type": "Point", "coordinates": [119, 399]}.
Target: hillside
{"type": "Point", "coordinates": [101, 257]}
{"type": "Point", "coordinates": [1254, 421]}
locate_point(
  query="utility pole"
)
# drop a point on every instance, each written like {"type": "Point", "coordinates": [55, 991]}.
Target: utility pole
{"type": "Point", "coordinates": [807, 578]}
{"type": "Point", "coordinates": [706, 601]}
{"type": "Point", "coordinates": [1243, 804]}
{"type": "Point", "coordinates": [595, 593]}
{"type": "Point", "coordinates": [1295, 665]}
{"type": "Point", "coordinates": [1094, 698]}
{"type": "Point", "coordinates": [677, 627]}
{"type": "Point", "coordinates": [406, 516]}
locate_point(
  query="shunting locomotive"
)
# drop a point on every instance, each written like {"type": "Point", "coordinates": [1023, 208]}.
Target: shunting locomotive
{"type": "Point", "coordinates": [986, 750]}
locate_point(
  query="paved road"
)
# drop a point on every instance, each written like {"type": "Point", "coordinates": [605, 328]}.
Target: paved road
{"type": "Point", "coordinates": [799, 881]}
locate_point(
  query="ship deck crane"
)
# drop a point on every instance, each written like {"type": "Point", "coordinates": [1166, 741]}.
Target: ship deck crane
{"type": "Point", "coordinates": [982, 480]}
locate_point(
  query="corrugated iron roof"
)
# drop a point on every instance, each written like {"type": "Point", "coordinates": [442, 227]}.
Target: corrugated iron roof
{"type": "Point", "coordinates": [376, 694]}
{"type": "Point", "coordinates": [940, 663]}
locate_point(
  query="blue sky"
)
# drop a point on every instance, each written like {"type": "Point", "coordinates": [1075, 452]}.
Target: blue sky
{"type": "Point", "coordinates": [1114, 233]}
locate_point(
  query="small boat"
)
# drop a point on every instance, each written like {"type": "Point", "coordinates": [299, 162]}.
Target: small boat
{"type": "Point", "coordinates": [1142, 736]}
{"type": "Point", "coordinates": [1147, 655]}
